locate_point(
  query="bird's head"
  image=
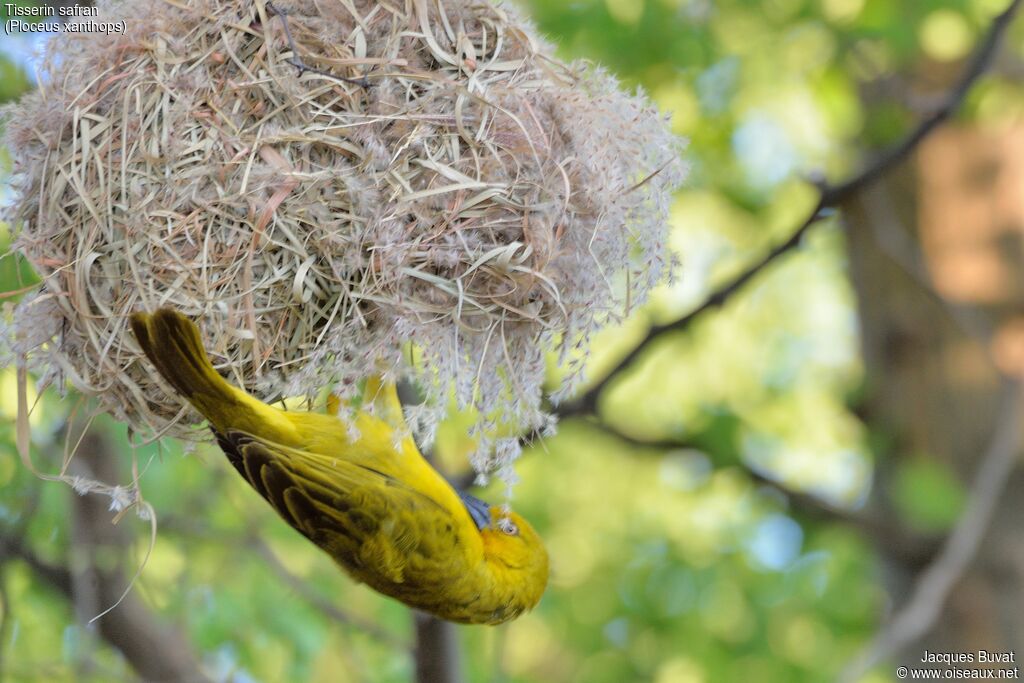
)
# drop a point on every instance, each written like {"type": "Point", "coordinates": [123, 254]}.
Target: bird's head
{"type": "Point", "coordinates": [517, 557]}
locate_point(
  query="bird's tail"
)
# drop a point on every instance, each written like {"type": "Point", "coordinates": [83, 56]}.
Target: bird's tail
{"type": "Point", "coordinates": [173, 344]}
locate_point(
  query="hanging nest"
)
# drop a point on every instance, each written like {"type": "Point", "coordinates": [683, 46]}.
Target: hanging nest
{"type": "Point", "coordinates": [462, 205]}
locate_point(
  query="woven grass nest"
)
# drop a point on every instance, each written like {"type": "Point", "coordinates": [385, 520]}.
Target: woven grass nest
{"type": "Point", "coordinates": [461, 207]}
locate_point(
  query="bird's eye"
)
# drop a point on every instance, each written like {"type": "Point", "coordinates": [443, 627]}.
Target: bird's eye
{"type": "Point", "coordinates": [507, 526]}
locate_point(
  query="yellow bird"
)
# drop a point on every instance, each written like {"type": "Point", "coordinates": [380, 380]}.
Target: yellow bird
{"type": "Point", "coordinates": [372, 502]}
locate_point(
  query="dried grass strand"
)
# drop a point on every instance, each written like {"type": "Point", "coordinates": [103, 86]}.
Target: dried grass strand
{"type": "Point", "coordinates": [469, 196]}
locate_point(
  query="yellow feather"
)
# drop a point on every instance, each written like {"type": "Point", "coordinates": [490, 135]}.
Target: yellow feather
{"type": "Point", "coordinates": [373, 503]}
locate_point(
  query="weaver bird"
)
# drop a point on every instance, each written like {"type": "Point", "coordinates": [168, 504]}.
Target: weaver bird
{"type": "Point", "coordinates": [370, 500]}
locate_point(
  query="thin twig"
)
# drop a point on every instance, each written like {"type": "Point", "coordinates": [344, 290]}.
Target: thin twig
{"type": "Point", "coordinates": [912, 549]}
{"type": "Point", "coordinates": [296, 60]}
{"type": "Point", "coordinates": [932, 588]}
{"type": "Point", "coordinates": [324, 606]}
{"type": "Point", "coordinates": [831, 197]}
{"type": "Point", "coordinates": [664, 446]}
{"type": "Point", "coordinates": [978, 65]}
{"type": "Point", "coordinates": [587, 402]}
{"type": "Point", "coordinates": [188, 528]}
{"type": "Point", "coordinates": [895, 241]}
{"type": "Point", "coordinates": [153, 649]}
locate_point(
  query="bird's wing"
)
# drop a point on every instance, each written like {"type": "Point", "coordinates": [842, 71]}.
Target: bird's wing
{"type": "Point", "coordinates": [374, 525]}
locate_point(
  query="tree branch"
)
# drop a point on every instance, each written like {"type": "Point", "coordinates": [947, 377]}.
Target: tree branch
{"type": "Point", "coordinates": [831, 196]}
{"type": "Point", "coordinates": [152, 648]}
{"type": "Point", "coordinates": [978, 65]}
{"type": "Point", "coordinates": [437, 650]}
{"type": "Point", "coordinates": [933, 586]}
{"type": "Point", "coordinates": [254, 543]}
{"type": "Point", "coordinates": [913, 550]}
{"type": "Point", "coordinates": [155, 650]}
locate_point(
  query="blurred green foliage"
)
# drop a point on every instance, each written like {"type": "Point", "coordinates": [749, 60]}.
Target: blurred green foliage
{"type": "Point", "coordinates": [673, 567]}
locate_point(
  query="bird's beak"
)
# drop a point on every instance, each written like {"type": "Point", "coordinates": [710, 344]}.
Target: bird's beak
{"type": "Point", "coordinates": [478, 510]}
